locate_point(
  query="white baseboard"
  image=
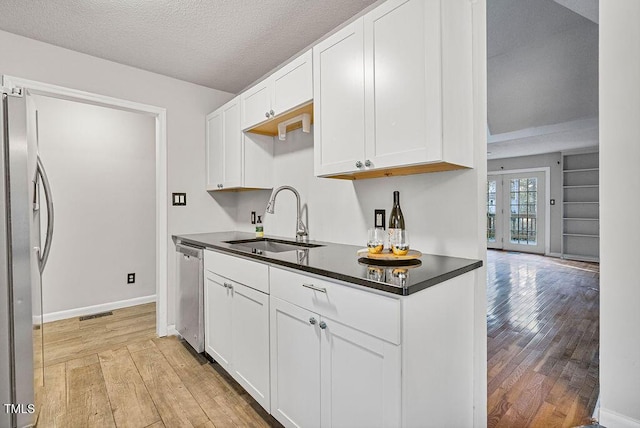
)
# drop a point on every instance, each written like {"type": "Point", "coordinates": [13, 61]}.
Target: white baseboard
{"type": "Point", "coordinates": [89, 310]}
{"type": "Point", "coordinates": [556, 255]}
{"type": "Point", "coordinates": [171, 330]}
{"type": "Point", "coordinates": [611, 419]}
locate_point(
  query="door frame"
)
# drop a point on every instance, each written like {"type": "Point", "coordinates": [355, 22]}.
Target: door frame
{"type": "Point", "coordinates": [547, 205]}
{"type": "Point", "coordinates": [160, 115]}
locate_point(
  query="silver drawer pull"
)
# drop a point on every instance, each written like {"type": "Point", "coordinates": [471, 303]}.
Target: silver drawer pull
{"type": "Point", "coordinates": [227, 285]}
{"type": "Point", "coordinates": [313, 287]}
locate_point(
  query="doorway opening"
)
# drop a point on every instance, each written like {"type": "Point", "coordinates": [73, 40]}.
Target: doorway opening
{"type": "Point", "coordinates": [35, 88]}
{"type": "Point", "coordinates": [542, 213]}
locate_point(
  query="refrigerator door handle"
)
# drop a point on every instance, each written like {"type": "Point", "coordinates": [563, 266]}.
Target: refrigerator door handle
{"type": "Point", "coordinates": [42, 259]}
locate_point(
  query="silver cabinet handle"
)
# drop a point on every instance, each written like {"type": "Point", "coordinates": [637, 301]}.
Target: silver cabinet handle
{"type": "Point", "coordinates": [271, 112]}
{"type": "Point", "coordinates": [266, 114]}
{"type": "Point", "coordinates": [323, 325]}
{"type": "Point", "coordinates": [367, 163]}
{"type": "Point", "coordinates": [312, 321]}
{"type": "Point", "coordinates": [313, 287]}
{"type": "Point", "coordinates": [227, 285]}
{"type": "Point", "coordinates": [358, 164]}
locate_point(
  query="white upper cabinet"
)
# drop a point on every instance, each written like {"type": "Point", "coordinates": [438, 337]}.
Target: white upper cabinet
{"type": "Point", "coordinates": [339, 96]}
{"type": "Point", "coordinates": [402, 45]}
{"type": "Point", "coordinates": [393, 94]}
{"type": "Point", "coordinates": [224, 149]}
{"type": "Point", "coordinates": [234, 159]}
{"type": "Point", "coordinates": [284, 90]}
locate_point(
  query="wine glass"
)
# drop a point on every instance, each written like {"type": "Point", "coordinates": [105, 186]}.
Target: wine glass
{"type": "Point", "coordinates": [400, 244]}
{"type": "Point", "coordinates": [375, 240]}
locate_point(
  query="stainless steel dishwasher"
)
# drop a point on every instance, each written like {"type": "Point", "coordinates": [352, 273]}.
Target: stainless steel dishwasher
{"type": "Point", "coordinates": [190, 313]}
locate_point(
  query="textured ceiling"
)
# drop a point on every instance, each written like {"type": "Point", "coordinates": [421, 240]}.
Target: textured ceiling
{"type": "Point", "coordinates": [222, 44]}
{"type": "Point", "coordinates": [542, 67]}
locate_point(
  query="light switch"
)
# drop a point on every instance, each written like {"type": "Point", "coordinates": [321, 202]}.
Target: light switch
{"type": "Point", "coordinates": [179, 199]}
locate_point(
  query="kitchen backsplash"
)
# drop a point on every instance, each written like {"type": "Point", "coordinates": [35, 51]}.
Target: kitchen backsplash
{"type": "Point", "coordinates": [342, 210]}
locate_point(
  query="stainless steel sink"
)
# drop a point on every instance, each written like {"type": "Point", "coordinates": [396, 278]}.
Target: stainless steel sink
{"type": "Point", "coordinates": [269, 245]}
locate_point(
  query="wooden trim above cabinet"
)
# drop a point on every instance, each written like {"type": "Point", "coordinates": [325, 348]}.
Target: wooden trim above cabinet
{"type": "Point", "coordinates": [270, 127]}
{"type": "Point", "coordinates": [397, 171]}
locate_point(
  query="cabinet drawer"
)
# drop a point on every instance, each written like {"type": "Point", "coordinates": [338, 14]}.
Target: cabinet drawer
{"type": "Point", "coordinates": [369, 312]}
{"type": "Point", "coordinates": [243, 271]}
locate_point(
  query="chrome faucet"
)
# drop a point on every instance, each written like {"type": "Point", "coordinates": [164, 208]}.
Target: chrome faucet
{"type": "Point", "coordinates": [302, 233]}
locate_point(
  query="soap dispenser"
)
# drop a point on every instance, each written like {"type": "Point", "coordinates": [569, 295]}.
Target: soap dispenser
{"type": "Point", "coordinates": [259, 228]}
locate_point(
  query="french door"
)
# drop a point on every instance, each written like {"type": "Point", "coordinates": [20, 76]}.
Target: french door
{"type": "Point", "coordinates": [515, 212]}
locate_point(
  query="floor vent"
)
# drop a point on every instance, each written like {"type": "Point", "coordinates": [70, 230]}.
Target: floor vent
{"type": "Point", "coordinates": [100, 315]}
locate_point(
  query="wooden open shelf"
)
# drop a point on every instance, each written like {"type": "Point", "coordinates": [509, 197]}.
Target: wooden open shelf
{"type": "Point", "coordinates": [270, 127]}
{"type": "Point", "coordinates": [403, 170]}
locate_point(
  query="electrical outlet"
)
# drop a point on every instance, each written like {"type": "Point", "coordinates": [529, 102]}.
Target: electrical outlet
{"type": "Point", "coordinates": [253, 217]}
{"type": "Point", "coordinates": [131, 278]}
{"type": "Point", "coordinates": [378, 219]}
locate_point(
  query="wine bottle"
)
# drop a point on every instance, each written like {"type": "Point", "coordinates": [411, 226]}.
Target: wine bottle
{"type": "Point", "coordinates": [396, 219]}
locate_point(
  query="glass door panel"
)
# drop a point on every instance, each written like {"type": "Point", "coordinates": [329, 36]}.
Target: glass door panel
{"type": "Point", "coordinates": [515, 212]}
{"type": "Point", "coordinates": [494, 228]}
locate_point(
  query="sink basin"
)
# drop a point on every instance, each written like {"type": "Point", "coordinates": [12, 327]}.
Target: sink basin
{"type": "Point", "coordinates": [270, 245]}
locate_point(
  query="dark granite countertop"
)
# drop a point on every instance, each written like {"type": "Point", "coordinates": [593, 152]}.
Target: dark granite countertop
{"type": "Point", "coordinates": [339, 261]}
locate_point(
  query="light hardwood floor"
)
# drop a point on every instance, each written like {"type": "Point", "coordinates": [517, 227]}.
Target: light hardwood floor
{"type": "Point", "coordinates": [543, 340]}
{"type": "Point", "coordinates": [114, 372]}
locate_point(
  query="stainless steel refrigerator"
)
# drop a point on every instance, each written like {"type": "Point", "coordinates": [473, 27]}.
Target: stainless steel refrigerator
{"type": "Point", "coordinates": [22, 257]}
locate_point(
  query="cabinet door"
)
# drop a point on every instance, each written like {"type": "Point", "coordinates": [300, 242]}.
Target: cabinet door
{"type": "Point", "coordinates": [360, 379]}
{"type": "Point", "coordinates": [232, 168]}
{"type": "Point", "coordinates": [295, 365]}
{"type": "Point", "coordinates": [256, 104]}
{"type": "Point", "coordinates": [338, 94]}
{"type": "Point", "coordinates": [293, 84]}
{"type": "Point", "coordinates": [403, 95]}
{"type": "Point", "coordinates": [250, 331]}
{"type": "Point", "coordinates": [215, 150]}
{"type": "Point", "coordinates": [217, 332]}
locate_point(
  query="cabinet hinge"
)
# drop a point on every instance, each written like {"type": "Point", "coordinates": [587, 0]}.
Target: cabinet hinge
{"type": "Point", "coordinates": [13, 92]}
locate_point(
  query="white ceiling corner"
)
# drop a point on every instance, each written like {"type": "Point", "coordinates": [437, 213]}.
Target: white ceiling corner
{"type": "Point", "coordinates": [221, 44]}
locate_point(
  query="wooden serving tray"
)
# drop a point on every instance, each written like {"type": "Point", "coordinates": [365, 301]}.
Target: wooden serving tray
{"type": "Point", "coordinates": [388, 255]}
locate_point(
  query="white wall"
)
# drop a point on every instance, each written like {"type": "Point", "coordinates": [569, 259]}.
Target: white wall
{"type": "Point", "coordinates": [554, 162]}
{"type": "Point", "coordinates": [101, 166]}
{"type": "Point", "coordinates": [187, 105]}
{"type": "Point", "coordinates": [619, 184]}
{"type": "Point", "coordinates": [435, 206]}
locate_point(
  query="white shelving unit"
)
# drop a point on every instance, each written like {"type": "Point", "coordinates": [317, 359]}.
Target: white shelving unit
{"type": "Point", "coordinates": [581, 206]}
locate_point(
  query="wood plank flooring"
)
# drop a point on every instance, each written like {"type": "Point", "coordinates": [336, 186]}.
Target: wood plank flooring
{"type": "Point", "coordinates": [543, 340]}
{"type": "Point", "coordinates": [114, 372]}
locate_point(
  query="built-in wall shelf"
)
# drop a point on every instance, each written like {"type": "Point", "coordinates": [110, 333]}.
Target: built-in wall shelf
{"type": "Point", "coordinates": [581, 219]}
{"type": "Point", "coordinates": [580, 206]}
{"type": "Point", "coordinates": [270, 127]}
{"type": "Point", "coordinates": [581, 170]}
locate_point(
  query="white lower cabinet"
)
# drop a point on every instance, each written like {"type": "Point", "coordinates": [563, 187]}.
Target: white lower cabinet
{"type": "Point", "coordinates": [325, 373]}
{"type": "Point", "coordinates": [250, 338]}
{"type": "Point", "coordinates": [320, 353]}
{"type": "Point", "coordinates": [218, 320]}
{"type": "Point", "coordinates": [295, 365]}
{"type": "Point", "coordinates": [360, 379]}
{"type": "Point", "coordinates": [237, 332]}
